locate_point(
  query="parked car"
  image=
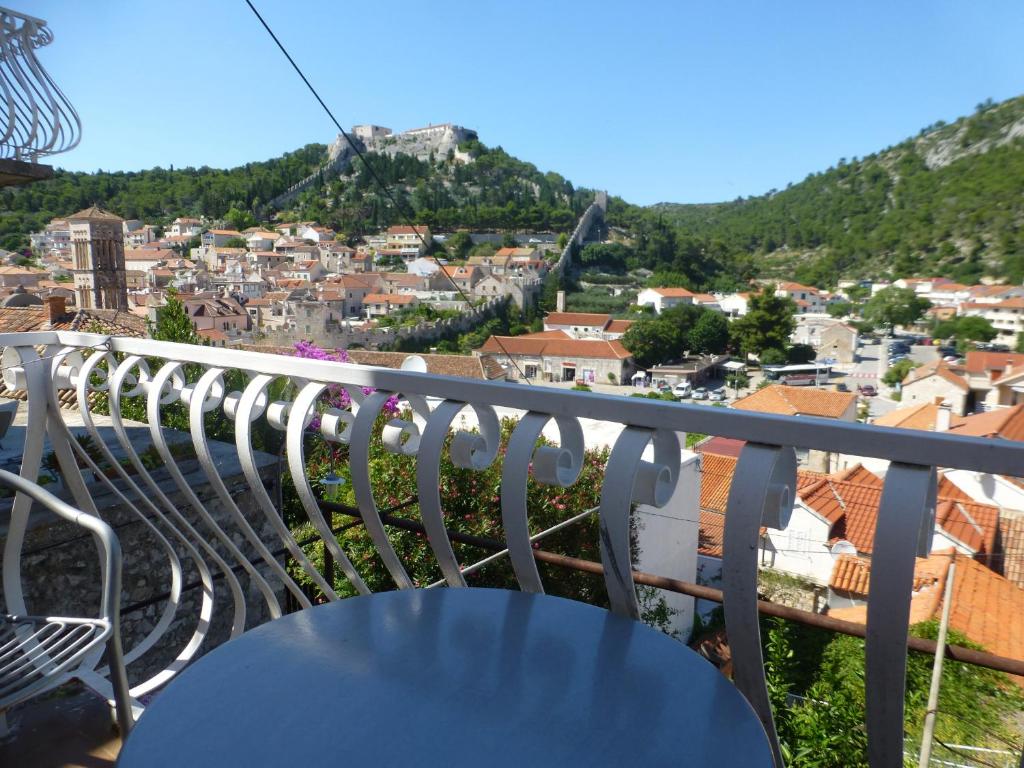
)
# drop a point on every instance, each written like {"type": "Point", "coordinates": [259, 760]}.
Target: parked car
{"type": "Point", "coordinates": [951, 359]}
{"type": "Point", "coordinates": [717, 396]}
{"type": "Point", "coordinates": [841, 387]}
{"type": "Point", "coordinates": [898, 358]}
{"type": "Point", "coordinates": [946, 350]}
{"type": "Point", "coordinates": [867, 390]}
{"type": "Point", "coordinates": [682, 389]}
{"type": "Point", "coordinates": [700, 393]}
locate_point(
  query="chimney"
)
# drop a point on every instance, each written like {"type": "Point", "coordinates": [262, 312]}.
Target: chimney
{"type": "Point", "coordinates": [560, 301]}
{"type": "Point", "coordinates": [55, 310]}
{"type": "Point", "coordinates": [942, 417]}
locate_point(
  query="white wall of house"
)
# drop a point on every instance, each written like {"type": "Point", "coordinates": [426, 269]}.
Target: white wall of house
{"type": "Point", "coordinates": [667, 540]}
{"type": "Point", "coordinates": [929, 388]}
{"type": "Point", "coordinates": [988, 489]}
{"type": "Point", "coordinates": [802, 548]}
{"type": "Point", "coordinates": [733, 304]}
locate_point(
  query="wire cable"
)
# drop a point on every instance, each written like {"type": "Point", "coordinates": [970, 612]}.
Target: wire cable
{"type": "Point", "coordinates": [383, 187]}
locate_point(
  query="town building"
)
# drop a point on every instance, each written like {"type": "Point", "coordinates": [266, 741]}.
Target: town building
{"type": "Point", "coordinates": [665, 298]}
{"type": "Point", "coordinates": [933, 381]}
{"type": "Point", "coordinates": [215, 238]}
{"type": "Point", "coordinates": [830, 338]}
{"type": "Point", "coordinates": [97, 241]}
{"type": "Point", "coordinates": [556, 356]}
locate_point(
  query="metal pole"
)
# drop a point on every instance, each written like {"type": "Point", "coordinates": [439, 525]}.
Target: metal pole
{"type": "Point", "coordinates": [940, 653]}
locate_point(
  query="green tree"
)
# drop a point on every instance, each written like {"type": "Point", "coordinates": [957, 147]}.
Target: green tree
{"type": "Point", "coordinates": [894, 306]}
{"type": "Point", "coordinates": [238, 219]}
{"type": "Point", "coordinates": [458, 245]}
{"type": "Point", "coordinates": [966, 330]}
{"type": "Point", "coordinates": [173, 323]}
{"type": "Point", "coordinates": [652, 341]}
{"type": "Point", "coordinates": [772, 356]}
{"type": "Point", "coordinates": [798, 354]}
{"type": "Point", "coordinates": [839, 308]}
{"type": "Point", "coordinates": [236, 242]}
{"type": "Point", "coordinates": [768, 324]}
{"type": "Point", "coordinates": [710, 334]}
{"type": "Point", "coordinates": [898, 372]}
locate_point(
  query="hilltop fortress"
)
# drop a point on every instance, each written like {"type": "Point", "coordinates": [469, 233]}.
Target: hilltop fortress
{"type": "Point", "coordinates": [433, 140]}
{"type": "Point", "coordinates": [436, 140]}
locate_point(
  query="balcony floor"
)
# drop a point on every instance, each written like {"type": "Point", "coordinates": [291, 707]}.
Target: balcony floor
{"type": "Point", "coordinates": [71, 728]}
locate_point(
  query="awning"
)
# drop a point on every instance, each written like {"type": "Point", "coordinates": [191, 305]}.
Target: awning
{"type": "Point", "coordinates": [733, 365]}
{"type": "Point", "coordinates": [640, 375]}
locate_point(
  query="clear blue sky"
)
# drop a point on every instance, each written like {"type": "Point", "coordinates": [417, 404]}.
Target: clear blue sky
{"type": "Point", "coordinates": [681, 101]}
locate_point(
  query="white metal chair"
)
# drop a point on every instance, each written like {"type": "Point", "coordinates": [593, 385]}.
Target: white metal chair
{"type": "Point", "coordinates": [40, 653]}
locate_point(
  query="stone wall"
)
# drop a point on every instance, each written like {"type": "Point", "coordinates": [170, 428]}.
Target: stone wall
{"type": "Point", "coordinates": [61, 574]}
{"type": "Point", "coordinates": [425, 332]}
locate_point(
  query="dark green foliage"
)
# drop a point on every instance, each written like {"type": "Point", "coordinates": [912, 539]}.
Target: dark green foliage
{"type": "Point", "coordinates": [839, 309]}
{"type": "Point", "coordinates": [800, 353]}
{"type": "Point", "coordinates": [710, 334]}
{"type": "Point", "coordinates": [156, 195]}
{"type": "Point", "coordinates": [886, 213]}
{"type": "Point", "coordinates": [772, 356]}
{"type": "Point", "coordinates": [894, 306]}
{"type": "Point", "coordinates": [458, 245]}
{"type": "Point", "coordinates": [825, 727]}
{"type": "Point", "coordinates": [613, 257]}
{"type": "Point", "coordinates": [663, 338]}
{"type": "Point", "coordinates": [767, 324]}
{"type": "Point", "coordinates": [898, 372]}
{"type": "Point", "coordinates": [965, 329]}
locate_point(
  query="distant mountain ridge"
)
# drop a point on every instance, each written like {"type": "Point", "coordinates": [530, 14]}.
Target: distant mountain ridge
{"type": "Point", "coordinates": [948, 201]}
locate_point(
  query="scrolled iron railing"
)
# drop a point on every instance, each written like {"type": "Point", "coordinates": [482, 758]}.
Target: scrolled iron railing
{"type": "Point", "coordinates": [235, 554]}
{"type": "Point", "coordinates": [38, 119]}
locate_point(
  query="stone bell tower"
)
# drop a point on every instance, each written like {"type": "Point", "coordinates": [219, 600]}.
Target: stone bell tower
{"type": "Point", "coordinates": [97, 243]}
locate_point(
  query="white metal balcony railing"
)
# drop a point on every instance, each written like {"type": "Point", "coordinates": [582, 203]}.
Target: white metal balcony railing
{"type": "Point", "coordinates": [49, 364]}
{"type": "Point", "coordinates": [39, 120]}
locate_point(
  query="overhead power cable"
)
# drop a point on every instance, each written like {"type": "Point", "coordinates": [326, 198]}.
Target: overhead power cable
{"type": "Point", "coordinates": [380, 183]}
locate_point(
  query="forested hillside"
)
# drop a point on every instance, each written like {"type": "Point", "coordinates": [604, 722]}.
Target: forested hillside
{"type": "Point", "coordinates": [949, 201]}
{"type": "Point", "coordinates": [156, 195]}
{"type": "Point", "coordinates": [494, 191]}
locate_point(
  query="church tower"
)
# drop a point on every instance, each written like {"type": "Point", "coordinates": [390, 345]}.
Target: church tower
{"type": "Point", "coordinates": [97, 243]}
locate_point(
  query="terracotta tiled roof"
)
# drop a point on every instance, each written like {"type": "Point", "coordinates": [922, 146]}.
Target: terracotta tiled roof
{"type": "Point", "coordinates": [388, 298]}
{"type": "Point", "coordinates": [1007, 423]}
{"type": "Point", "coordinates": [95, 212]}
{"type": "Point", "coordinates": [577, 318]}
{"type": "Point", "coordinates": [788, 286]}
{"type": "Point", "coordinates": [922, 416]}
{"type": "Point", "coordinates": [986, 607]}
{"type": "Point", "coordinates": [406, 230]}
{"type": "Point", "coordinates": [860, 474]}
{"type": "Point", "coordinates": [938, 368]}
{"type": "Point", "coordinates": [149, 254]}
{"type": "Point", "coordinates": [1011, 529]}
{"type": "Point", "coordinates": [980, 362]}
{"type": "Point", "coordinates": [673, 293]}
{"type": "Point", "coordinates": [618, 326]}
{"type": "Point", "coordinates": [726, 446]}
{"type": "Point", "coordinates": [555, 347]}
{"type": "Point", "coordinates": [794, 401]}
{"type": "Point", "coordinates": [711, 534]}
{"type": "Point", "coordinates": [852, 509]}
{"type": "Point", "coordinates": [852, 573]}
{"type": "Point", "coordinates": [976, 525]}
{"type": "Point", "coordinates": [716, 473]}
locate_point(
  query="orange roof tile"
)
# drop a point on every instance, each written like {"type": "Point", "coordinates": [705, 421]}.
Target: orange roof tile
{"type": "Point", "coordinates": [716, 474]}
{"type": "Point", "coordinates": [555, 347]}
{"type": "Point", "coordinates": [1007, 423]}
{"type": "Point", "coordinates": [797, 401]}
{"type": "Point", "coordinates": [673, 293]}
{"type": "Point", "coordinates": [1011, 529]}
{"type": "Point", "coordinates": [938, 368]}
{"type": "Point", "coordinates": [986, 607]}
{"type": "Point", "coordinates": [618, 326]}
{"type": "Point", "coordinates": [922, 416]}
{"type": "Point", "coordinates": [980, 362]}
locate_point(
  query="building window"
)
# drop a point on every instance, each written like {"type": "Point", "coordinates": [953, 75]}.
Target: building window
{"type": "Point", "coordinates": [531, 371]}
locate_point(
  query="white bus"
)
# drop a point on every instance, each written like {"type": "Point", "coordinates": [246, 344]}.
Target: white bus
{"type": "Point", "coordinates": [804, 374]}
